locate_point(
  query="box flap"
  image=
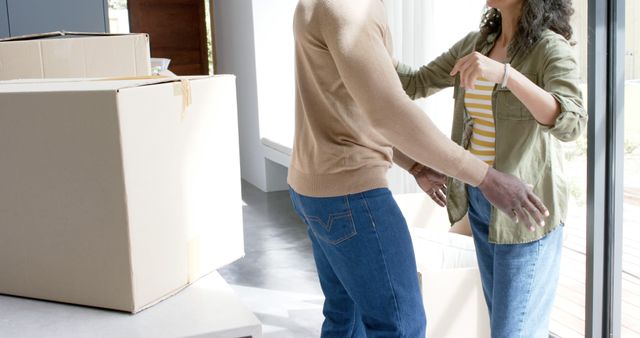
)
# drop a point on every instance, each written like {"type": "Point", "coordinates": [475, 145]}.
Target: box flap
{"type": "Point", "coordinates": [31, 36]}
{"type": "Point", "coordinates": [61, 34]}
{"type": "Point", "coordinates": [79, 85]}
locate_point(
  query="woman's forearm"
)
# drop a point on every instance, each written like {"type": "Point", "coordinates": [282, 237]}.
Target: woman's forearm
{"type": "Point", "coordinates": [542, 105]}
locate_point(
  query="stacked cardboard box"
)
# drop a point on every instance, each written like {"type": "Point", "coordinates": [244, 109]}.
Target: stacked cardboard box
{"type": "Point", "coordinates": [74, 55]}
{"type": "Point", "coordinates": [117, 193]}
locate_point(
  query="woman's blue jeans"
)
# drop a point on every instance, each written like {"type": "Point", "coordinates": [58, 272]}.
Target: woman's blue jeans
{"type": "Point", "coordinates": [519, 280]}
{"type": "Point", "coordinates": [366, 264]}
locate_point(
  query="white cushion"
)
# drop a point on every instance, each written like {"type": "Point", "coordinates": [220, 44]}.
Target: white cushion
{"type": "Point", "coordinates": [438, 250]}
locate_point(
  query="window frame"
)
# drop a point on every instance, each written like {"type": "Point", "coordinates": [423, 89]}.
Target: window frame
{"type": "Point", "coordinates": [605, 162]}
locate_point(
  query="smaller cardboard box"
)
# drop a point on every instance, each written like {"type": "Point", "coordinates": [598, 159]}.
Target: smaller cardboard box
{"type": "Point", "coordinates": [117, 194]}
{"type": "Point", "coordinates": [448, 271]}
{"type": "Point", "coordinates": [74, 55]}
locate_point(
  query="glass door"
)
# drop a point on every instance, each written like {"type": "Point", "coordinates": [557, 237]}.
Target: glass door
{"type": "Point", "coordinates": [630, 298]}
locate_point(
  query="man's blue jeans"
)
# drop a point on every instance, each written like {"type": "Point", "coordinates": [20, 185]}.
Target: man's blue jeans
{"type": "Point", "coordinates": [366, 264]}
{"type": "Point", "coordinates": [519, 280]}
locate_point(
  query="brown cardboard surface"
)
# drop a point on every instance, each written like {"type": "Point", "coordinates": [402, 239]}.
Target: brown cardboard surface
{"type": "Point", "coordinates": [117, 195]}
{"type": "Point", "coordinates": [75, 56]}
{"type": "Point", "coordinates": [455, 303]}
{"type": "Point", "coordinates": [57, 34]}
{"type": "Point", "coordinates": [61, 195]}
{"type": "Point", "coordinates": [81, 84]}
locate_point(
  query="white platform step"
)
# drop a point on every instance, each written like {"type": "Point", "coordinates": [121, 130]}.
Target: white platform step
{"type": "Point", "coordinates": [208, 308]}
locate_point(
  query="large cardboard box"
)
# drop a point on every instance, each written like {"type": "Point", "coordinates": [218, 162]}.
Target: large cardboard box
{"type": "Point", "coordinates": [117, 194]}
{"type": "Point", "coordinates": [74, 55]}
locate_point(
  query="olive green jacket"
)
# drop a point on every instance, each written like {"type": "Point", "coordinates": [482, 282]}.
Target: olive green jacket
{"type": "Point", "coordinates": [524, 147]}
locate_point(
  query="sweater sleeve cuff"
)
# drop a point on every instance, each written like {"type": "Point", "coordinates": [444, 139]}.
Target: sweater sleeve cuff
{"type": "Point", "coordinates": [473, 170]}
{"type": "Point", "coordinates": [402, 160]}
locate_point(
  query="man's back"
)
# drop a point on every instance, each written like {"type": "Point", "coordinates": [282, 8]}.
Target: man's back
{"type": "Point", "coordinates": [334, 139]}
{"type": "Point", "coordinates": [351, 110]}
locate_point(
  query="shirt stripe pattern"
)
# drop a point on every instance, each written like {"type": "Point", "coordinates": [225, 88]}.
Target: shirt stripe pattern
{"type": "Point", "coordinates": [478, 104]}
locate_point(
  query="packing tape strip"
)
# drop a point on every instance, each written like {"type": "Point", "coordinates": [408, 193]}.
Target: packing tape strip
{"type": "Point", "coordinates": [127, 78]}
{"type": "Point", "coordinates": [194, 269]}
{"type": "Point", "coordinates": [185, 88]}
{"type": "Point", "coordinates": [187, 99]}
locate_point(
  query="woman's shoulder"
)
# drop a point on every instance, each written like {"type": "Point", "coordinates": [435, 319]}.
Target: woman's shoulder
{"type": "Point", "coordinates": [550, 40]}
{"type": "Point", "coordinates": [469, 42]}
{"type": "Point", "coordinates": [551, 45]}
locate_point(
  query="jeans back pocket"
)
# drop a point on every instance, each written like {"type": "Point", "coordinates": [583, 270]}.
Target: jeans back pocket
{"type": "Point", "coordinates": [336, 229]}
{"type": "Point", "coordinates": [330, 218]}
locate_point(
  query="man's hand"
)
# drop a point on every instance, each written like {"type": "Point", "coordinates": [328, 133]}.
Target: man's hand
{"type": "Point", "coordinates": [514, 198]}
{"type": "Point", "coordinates": [434, 184]}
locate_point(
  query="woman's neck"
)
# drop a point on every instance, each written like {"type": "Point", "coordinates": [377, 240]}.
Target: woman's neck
{"type": "Point", "coordinates": [509, 25]}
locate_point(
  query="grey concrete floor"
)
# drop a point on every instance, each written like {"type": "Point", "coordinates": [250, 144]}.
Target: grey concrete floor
{"type": "Point", "coordinates": [277, 278]}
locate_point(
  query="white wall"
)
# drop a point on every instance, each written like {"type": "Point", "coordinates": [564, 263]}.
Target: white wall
{"type": "Point", "coordinates": [274, 45]}
{"type": "Point", "coordinates": [254, 40]}
{"type": "Point", "coordinates": [251, 42]}
{"type": "Point", "coordinates": [275, 60]}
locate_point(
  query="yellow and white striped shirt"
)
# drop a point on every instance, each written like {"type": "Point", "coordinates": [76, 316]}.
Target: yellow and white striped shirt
{"type": "Point", "coordinates": [478, 104]}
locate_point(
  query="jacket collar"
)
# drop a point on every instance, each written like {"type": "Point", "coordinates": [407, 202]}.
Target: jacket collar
{"type": "Point", "coordinates": [485, 46]}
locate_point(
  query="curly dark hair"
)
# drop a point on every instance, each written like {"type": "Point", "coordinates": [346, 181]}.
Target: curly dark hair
{"type": "Point", "coordinates": [536, 16]}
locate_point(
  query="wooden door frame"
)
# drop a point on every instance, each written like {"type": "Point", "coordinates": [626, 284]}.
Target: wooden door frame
{"type": "Point", "coordinates": [136, 23]}
{"type": "Point", "coordinates": [214, 55]}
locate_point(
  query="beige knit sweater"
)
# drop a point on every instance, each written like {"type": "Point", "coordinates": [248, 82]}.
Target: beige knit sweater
{"type": "Point", "coordinates": [352, 116]}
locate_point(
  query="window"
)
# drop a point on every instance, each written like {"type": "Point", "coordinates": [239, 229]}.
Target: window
{"type": "Point", "coordinates": [118, 16]}
{"type": "Point", "coordinates": [568, 316]}
{"type": "Point", "coordinates": [420, 34]}
{"type": "Point", "coordinates": [630, 301]}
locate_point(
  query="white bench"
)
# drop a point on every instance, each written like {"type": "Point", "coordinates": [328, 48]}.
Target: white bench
{"type": "Point", "coordinates": [277, 152]}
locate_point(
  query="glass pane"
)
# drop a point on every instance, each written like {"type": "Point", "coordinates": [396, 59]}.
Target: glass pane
{"type": "Point", "coordinates": [568, 317]}
{"type": "Point", "coordinates": [631, 230]}
{"type": "Point", "coordinates": [118, 16]}
{"type": "Point", "coordinates": [420, 34]}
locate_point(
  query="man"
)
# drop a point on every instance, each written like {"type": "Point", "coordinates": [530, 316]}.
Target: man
{"type": "Point", "coordinates": [352, 120]}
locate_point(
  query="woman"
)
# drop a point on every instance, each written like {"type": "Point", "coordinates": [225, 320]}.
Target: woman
{"type": "Point", "coordinates": [516, 97]}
